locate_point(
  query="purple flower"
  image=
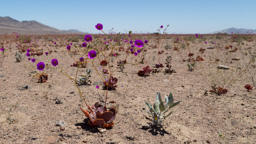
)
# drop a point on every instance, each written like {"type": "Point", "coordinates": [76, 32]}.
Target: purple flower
{"type": "Point", "coordinates": [88, 38]}
{"type": "Point", "coordinates": [138, 51]}
{"type": "Point", "coordinates": [55, 62]}
{"type": "Point", "coordinates": [2, 49]}
{"type": "Point", "coordinates": [131, 49]}
{"type": "Point", "coordinates": [132, 46]}
{"type": "Point", "coordinates": [99, 26]}
{"type": "Point", "coordinates": [71, 43]}
{"type": "Point", "coordinates": [196, 35]}
{"type": "Point", "coordinates": [97, 87]}
{"type": "Point", "coordinates": [92, 54]}
{"type": "Point", "coordinates": [146, 41]}
{"type": "Point", "coordinates": [28, 54]}
{"type": "Point", "coordinates": [81, 59]}
{"type": "Point", "coordinates": [131, 42]}
{"type": "Point", "coordinates": [205, 42]}
{"type": "Point", "coordinates": [68, 47]}
{"type": "Point", "coordinates": [161, 26]}
{"type": "Point", "coordinates": [29, 59]}
{"type": "Point", "coordinates": [46, 53]}
{"type": "Point", "coordinates": [28, 50]}
{"type": "Point", "coordinates": [84, 44]}
{"type": "Point", "coordinates": [201, 35]}
{"type": "Point", "coordinates": [40, 66]}
{"type": "Point", "coordinates": [33, 60]}
{"type": "Point", "coordinates": [135, 53]}
{"type": "Point", "coordinates": [138, 43]}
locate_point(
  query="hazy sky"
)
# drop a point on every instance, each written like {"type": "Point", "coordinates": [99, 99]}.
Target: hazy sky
{"type": "Point", "coordinates": [183, 16]}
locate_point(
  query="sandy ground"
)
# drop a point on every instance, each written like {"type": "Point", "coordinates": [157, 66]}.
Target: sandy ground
{"type": "Point", "coordinates": [29, 116]}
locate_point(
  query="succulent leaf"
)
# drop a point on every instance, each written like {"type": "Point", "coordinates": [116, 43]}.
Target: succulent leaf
{"type": "Point", "coordinates": [166, 101]}
{"type": "Point", "coordinates": [150, 107]}
{"type": "Point", "coordinates": [161, 105]}
{"type": "Point", "coordinates": [158, 97]}
{"type": "Point", "coordinates": [156, 108]}
{"type": "Point", "coordinates": [170, 97]}
{"type": "Point", "coordinates": [174, 104]}
{"type": "Point", "coordinates": [168, 115]}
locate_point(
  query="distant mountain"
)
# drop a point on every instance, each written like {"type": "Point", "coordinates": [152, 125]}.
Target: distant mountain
{"type": "Point", "coordinates": [74, 31]}
{"type": "Point", "coordinates": [9, 25]}
{"type": "Point", "coordinates": [238, 31]}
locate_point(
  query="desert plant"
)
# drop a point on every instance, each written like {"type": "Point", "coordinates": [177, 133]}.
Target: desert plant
{"type": "Point", "coordinates": [159, 109]}
{"type": "Point", "coordinates": [248, 87]}
{"type": "Point", "coordinates": [18, 56]}
{"type": "Point", "coordinates": [84, 79]}
{"type": "Point", "coordinates": [145, 71]}
{"type": "Point", "coordinates": [99, 116]}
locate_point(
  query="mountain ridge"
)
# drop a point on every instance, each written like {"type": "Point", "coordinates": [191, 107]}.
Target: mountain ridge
{"type": "Point", "coordinates": [9, 25]}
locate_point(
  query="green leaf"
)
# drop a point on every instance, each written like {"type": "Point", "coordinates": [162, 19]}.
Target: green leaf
{"type": "Point", "coordinates": [167, 115]}
{"type": "Point", "coordinates": [150, 107]}
{"type": "Point", "coordinates": [174, 104]}
{"type": "Point", "coordinates": [157, 97]}
{"type": "Point", "coordinates": [170, 97]}
{"type": "Point", "coordinates": [166, 101]}
{"type": "Point", "coordinates": [156, 107]}
{"type": "Point", "coordinates": [161, 106]}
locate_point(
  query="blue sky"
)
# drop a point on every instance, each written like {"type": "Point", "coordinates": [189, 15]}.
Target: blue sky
{"type": "Point", "coordinates": [183, 16]}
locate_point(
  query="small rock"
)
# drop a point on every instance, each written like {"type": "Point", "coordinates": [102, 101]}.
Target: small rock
{"type": "Point", "coordinates": [211, 48]}
{"type": "Point", "coordinates": [61, 123]}
{"type": "Point", "coordinates": [130, 138]}
{"type": "Point", "coordinates": [223, 67]}
{"type": "Point", "coordinates": [62, 128]}
{"type": "Point", "coordinates": [51, 140]}
{"type": "Point", "coordinates": [166, 80]}
{"type": "Point", "coordinates": [24, 88]}
{"type": "Point", "coordinates": [78, 127]}
{"type": "Point", "coordinates": [57, 101]}
{"type": "Point", "coordinates": [71, 92]}
{"type": "Point", "coordinates": [102, 130]}
{"type": "Point", "coordinates": [236, 58]}
{"type": "Point", "coordinates": [1, 75]}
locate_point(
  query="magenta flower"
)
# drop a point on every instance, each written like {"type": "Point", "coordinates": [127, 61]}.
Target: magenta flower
{"type": "Point", "coordinates": [28, 54]}
{"type": "Point", "coordinates": [97, 87]}
{"type": "Point", "coordinates": [138, 43]}
{"type": "Point", "coordinates": [161, 26]}
{"type": "Point", "coordinates": [55, 62]}
{"type": "Point", "coordinates": [99, 26]}
{"type": "Point", "coordinates": [33, 60]}
{"type": "Point", "coordinates": [92, 54]}
{"type": "Point", "coordinates": [28, 50]}
{"type": "Point", "coordinates": [81, 59]}
{"type": "Point", "coordinates": [84, 44]}
{"type": "Point", "coordinates": [205, 42]}
{"type": "Point", "coordinates": [2, 49]}
{"type": "Point", "coordinates": [88, 38]}
{"type": "Point", "coordinates": [40, 66]}
{"type": "Point", "coordinates": [68, 47]}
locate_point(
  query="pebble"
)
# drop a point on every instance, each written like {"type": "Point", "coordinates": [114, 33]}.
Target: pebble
{"type": "Point", "coordinates": [51, 140]}
{"type": "Point", "coordinates": [61, 123]}
{"type": "Point", "coordinates": [102, 130]}
{"type": "Point", "coordinates": [166, 80]}
{"type": "Point", "coordinates": [223, 67]}
{"type": "Point", "coordinates": [24, 88]}
{"type": "Point", "coordinates": [62, 128]}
